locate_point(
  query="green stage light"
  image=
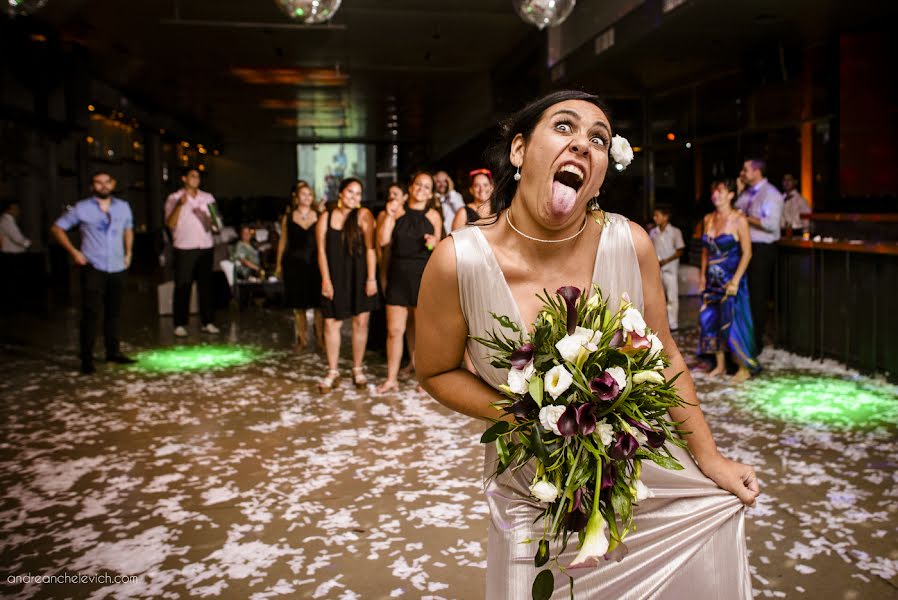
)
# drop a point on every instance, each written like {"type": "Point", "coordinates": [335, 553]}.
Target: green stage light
{"type": "Point", "coordinates": [196, 358]}
{"type": "Point", "coordinates": [823, 400]}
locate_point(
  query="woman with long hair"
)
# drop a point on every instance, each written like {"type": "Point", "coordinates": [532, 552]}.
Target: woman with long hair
{"type": "Point", "coordinates": [479, 208]}
{"type": "Point", "coordinates": [549, 167]}
{"type": "Point", "coordinates": [348, 266]}
{"type": "Point", "coordinates": [411, 233]}
{"type": "Point", "coordinates": [725, 315]}
{"type": "Point", "coordinates": [297, 263]}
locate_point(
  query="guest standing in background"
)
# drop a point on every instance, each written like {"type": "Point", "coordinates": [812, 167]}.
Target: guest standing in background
{"type": "Point", "coordinates": [725, 317]}
{"type": "Point", "coordinates": [107, 235]}
{"type": "Point", "coordinates": [11, 239]}
{"type": "Point", "coordinates": [794, 206]}
{"type": "Point", "coordinates": [762, 204]}
{"type": "Point", "coordinates": [188, 216]}
{"type": "Point", "coordinates": [481, 190]}
{"type": "Point", "coordinates": [348, 264]}
{"type": "Point", "coordinates": [669, 246]}
{"type": "Point", "coordinates": [411, 234]}
{"type": "Point", "coordinates": [297, 264]}
{"type": "Point", "coordinates": [448, 200]}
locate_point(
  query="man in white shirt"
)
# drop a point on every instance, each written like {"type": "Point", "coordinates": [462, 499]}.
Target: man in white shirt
{"type": "Point", "coordinates": [669, 247]}
{"type": "Point", "coordinates": [762, 204]}
{"type": "Point", "coordinates": [794, 206]}
{"type": "Point", "coordinates": [450, 200]}
{"type": "Point", "coordinates": [13, 242]}
{"type": "Point", "coordinates": [189, 216]}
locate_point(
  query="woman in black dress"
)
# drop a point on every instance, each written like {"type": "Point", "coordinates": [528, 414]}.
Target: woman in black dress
{"type": "Point", "coordinates": [481, 190]}
{"type": "Point", "coordinates": [348, 267]}
{"type": "Point", "coordinates": [297, 263]}
{"type": "Point", "coordinates": [411, 233]}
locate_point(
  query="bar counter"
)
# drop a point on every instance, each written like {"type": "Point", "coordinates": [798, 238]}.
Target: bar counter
{"type": "Point", "coordinates": [839, 299]}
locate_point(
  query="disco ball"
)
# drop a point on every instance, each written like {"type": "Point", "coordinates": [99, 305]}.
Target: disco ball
{"type": "Point", "coordinates": [24, 7]}
{"type": "Point", "coordinates": [544, 13]}
{"type": "Point", "coordinates": [309, 11]}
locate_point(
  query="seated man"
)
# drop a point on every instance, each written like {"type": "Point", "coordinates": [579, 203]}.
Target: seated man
{"type": "Point", "coordinates": [245, 256]}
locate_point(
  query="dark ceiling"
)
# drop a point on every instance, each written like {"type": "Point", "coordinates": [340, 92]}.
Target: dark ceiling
{"type": "Point", "coordinates": [246, 71]}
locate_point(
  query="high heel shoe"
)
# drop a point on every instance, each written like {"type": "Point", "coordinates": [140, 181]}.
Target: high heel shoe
{"type": "Point", "coordinates": [329, 382]}
{"type": "Point", "coordinates": [358, 377]}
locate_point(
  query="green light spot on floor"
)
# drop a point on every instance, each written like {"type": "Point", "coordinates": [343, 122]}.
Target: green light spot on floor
{"type": "Point", "coordinates": [823, 400]}
{"type": "Point", "coordinates": [196, 358]}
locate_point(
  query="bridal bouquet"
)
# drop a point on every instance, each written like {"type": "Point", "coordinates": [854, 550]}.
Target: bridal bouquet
{"type": "Point", "coordinates": [587, 400]}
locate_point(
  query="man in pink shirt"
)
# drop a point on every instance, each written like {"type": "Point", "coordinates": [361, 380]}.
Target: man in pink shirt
{"type": "Point", "coordinates": [188, 216]}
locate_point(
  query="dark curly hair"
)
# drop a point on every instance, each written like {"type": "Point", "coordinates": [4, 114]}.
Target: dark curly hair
{"type": "Point", "coordinates": [523, 122]}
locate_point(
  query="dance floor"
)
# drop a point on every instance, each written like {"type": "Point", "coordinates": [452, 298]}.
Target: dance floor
{"type": "Point", "coordinates": [213, 469]}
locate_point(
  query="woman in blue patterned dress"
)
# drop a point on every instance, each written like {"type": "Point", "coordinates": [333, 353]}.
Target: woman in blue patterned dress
{"type": "Point", "coordinates": [725, 316]}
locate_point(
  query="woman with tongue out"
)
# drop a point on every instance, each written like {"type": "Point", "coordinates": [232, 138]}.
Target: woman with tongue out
{"type": "Point", "coordinates": [549, 166]}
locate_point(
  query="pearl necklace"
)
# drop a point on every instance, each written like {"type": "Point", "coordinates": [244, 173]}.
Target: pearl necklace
{"type": "Point", "coordinates": [521, 233]}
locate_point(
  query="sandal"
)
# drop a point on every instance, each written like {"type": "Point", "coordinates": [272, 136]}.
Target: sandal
{"type": "Point", "coordinates": [329, 382]}
{"type": "Point", "coordinates": [358, 377]}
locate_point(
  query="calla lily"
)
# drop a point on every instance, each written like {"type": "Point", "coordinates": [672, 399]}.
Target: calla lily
{"type": "Point", "coordinates": [522, 356]}
{"type": "Point", "coordinates": [575, 521]}
{"type": "Point", "coordinates": [654, 439]}
{"type": "Point", "coordinates": [605, 387]}
{"type": "Point", "coordinates": [586, 419]}
{"type": "Point", "coordinates": [567, 422]}
{"type": "Point", "coordinates": [618, 554]}
{"type": "Point", "coordinates": [570, 294]}
{"type": "Point", "coordinates": [523, 408]}
{"type": "Point", "coordinates": [625, 447]}
{"type": "Point", "coordinates": [636, 343]}
{"type": "Point", "coordinates": [595, 544]}
{"type": "Point", "coordinates": [609, 476]}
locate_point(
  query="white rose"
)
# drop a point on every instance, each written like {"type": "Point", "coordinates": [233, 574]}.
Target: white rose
{"type": "Point", "coordinates": [570, 345]}
{"type": "Point", "coordinates": [650, 376]}
{"type": "Point", "coordinates": [519, 379]}
{"type": "Point", "coordinates": [619, 375]}
{"type": "Point", "coordinates": [642, 492]}
{"type": "Point", "coordinates": [557, 381]}
{"type": "Point", "coordinates": [544, 491]}
{"type": "Point", "coordinates": [605, 432]}
{"type": "Point", "coordinates": [548, 417]}
{"type": "Point", "coordinates": [657, 346]}
{"type": "Point", "coordinates": [621, 151]}
{"type": "Point", "coordinates": [633, 321]}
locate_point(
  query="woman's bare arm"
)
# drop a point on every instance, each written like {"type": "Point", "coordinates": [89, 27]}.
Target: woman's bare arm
{"type": "Point", "coordinates": [441, 337]}
{"type": "Point", "coordinates": [730, 475]}
{"type": "Point", "coordinates": [745, 244]}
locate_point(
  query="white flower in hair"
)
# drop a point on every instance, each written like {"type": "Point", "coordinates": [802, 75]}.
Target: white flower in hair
{"type": "Point", "coordinates": [621, 151]}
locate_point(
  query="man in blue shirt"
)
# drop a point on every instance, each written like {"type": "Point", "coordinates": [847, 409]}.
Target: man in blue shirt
{"type": "Point", "coordinates": [107, 234]}
{"type": "Point", "coordinates": [762, 204]}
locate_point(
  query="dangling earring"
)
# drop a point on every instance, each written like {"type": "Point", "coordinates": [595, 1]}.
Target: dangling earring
{"type": "Point", "coordinates": [594, 204]}
{"type": "Point", "coordinates": [517, 176]}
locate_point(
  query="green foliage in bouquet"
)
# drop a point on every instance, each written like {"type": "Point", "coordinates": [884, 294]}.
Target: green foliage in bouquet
{"type": "Point", "coordinates": [587, 402]}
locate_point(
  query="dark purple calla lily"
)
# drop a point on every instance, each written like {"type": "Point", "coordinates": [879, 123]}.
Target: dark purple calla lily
{"type": "Point", "coordinates": [578, 497]}
{"type": "Point", "coordinates": [576, 521]}
{"type": "Point", "coordinates": [655, 439]}
{"type": "Point", "coordinates": [570, 294]}
{"type": "Point", "coordinates": [586, 419]}
{"type": "Point", "coordinates": [609, 475]}
{"type": "Point", "coordinates": [605, 387]}
{"type": "Point", "coordinates": [522, 356]}
{"type": "Point", "coordinates": [523, 408]}
{"type": "Point", "coordinates": [625, 447]}
{"type": "Point", "coordinates": [567, 422]}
